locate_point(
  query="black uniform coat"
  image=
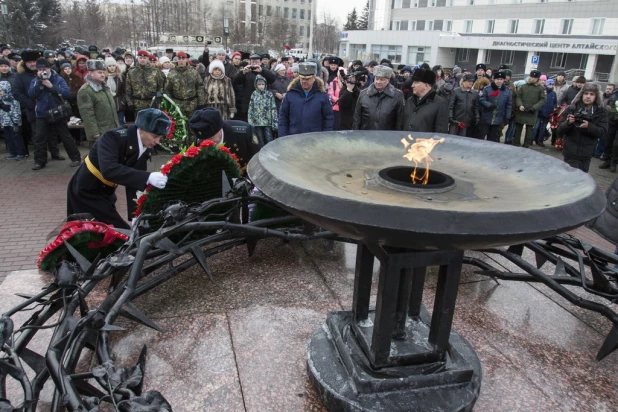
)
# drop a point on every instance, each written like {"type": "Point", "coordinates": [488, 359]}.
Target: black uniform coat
{"type": "Point", "coordinates": [115, 154]}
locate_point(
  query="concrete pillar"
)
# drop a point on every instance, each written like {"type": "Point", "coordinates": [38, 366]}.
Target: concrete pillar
{"type": "Point", "coordinates": [591, 67]}
{"type": "Point", "coordinates": [529, 65]}
{"type": "Point", "coordinates": [481, 57]}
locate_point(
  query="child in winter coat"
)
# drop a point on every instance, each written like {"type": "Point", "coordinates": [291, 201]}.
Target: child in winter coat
{"type": "Point", "coordinates": [10, 119]}
{"type": "Point", "coordinates": [263, 111]}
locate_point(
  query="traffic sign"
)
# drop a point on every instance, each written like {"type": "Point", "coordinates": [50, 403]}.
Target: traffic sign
{"type": "Point", "coordinates": [535, 60]}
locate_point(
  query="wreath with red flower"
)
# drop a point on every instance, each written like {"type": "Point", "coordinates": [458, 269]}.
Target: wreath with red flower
{"type": "Point", "coordinates": [178, 136]}
{"type": "Point", "coordinates": [194, 176]}
{"type": "Point", "coordinates": [87, 237]}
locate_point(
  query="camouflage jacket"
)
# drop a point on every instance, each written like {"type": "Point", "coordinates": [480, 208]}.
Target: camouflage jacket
{"type": "Point", "coordinates": [143, 83]}
{"type": "Point", "coordinates": [184, 84]}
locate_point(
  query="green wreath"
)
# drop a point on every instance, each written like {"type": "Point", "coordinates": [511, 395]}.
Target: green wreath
{"type": "Point", "coordinates": [178, 136]}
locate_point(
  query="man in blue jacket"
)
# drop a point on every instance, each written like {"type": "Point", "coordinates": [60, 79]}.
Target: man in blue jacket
{"type": "Point", "coordinates": [551, 101]}
{"type": "Point", "coordinates": [46, 88]}
{"type": "Point", "coordinates": [496, 103]}
{"type": "Point", "coordinates": [306, 107]}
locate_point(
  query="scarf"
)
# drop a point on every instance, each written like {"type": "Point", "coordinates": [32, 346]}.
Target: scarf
{"type": "Point", "coordinates": [111, 82]}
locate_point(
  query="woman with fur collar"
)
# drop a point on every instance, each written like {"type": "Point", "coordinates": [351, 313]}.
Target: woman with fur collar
{"type": "Point", "coordinates": [219, 91]}
{"type": "Point", "coordinates": [116, 83]}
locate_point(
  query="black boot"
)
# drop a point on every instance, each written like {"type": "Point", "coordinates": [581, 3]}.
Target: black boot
{"type": "Point", "coordinates": [606, 165]}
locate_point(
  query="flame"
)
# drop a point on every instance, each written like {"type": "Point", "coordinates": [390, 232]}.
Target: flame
{"type": "Point", "coordinates": [419, 153]}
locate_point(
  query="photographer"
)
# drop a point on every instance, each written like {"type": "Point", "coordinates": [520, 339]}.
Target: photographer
{"type": "Point", "coordinates": [582, 124]}
{"type": "Point", "coordinates": [348, 96]}
{"type": "Point", "coordinates": [47, 88]}
{"type": "Point", "coordinates": [246, 79]}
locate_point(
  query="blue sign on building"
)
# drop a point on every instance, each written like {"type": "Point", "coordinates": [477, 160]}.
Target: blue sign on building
{"type": "Point", "coordinates": [535, 60]}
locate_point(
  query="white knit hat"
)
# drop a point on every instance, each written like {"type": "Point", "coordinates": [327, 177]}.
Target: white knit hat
{"type": "Point", "coordinates": [279, 67]}
{"type": "Point", "coordinates": [216, 64]}
{"type": "Point", "coordinates": [110, 61]}
{"type": "Point", "coordinates": [164, 59]}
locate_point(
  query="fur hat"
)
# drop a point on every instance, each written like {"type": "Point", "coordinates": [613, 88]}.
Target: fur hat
{"type": "Point", "coordinates": [423, 75]}
{"type": "Point", "coordinates": [93, 65]}
{"type": "Point", "coordinates": [153, 121]}
{"type": "Point", "coordinates": [468, 78]}
{"type": "Point", "coordinates": [503, 67]}
{"type": "Point", "coordinates": [499, 75]}
{"type": "Point", "coordinates": [307, 69]}
{"type": "Point", "coordinates": [42, 63]}
{"type": "Point", "coordinates": [279, 67]}
{"type": "Point", "coordinates": [382, 71]}
{"type": "Point", "coordinates": [216, 64]}
{"type": "Point", "coordinates": [30, 55]}
{"type": "Point", "coordinates": [14, 56]}
{"type": "Point", "coordinates": [590, 87]}
{"type": "Point", "coordinates": [169, 50]}
{"type": "Point", "coordinates": [481, 66]}
{"type": "Point", "coordinates": [109, 61]}
{"type": "Point", "coordinates": [535, 74]}
{"type": "Point", "coordinates": [206, 123]}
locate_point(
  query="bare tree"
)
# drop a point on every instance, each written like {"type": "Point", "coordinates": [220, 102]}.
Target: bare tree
{"type": "Point", "coordinates": [326, 35]}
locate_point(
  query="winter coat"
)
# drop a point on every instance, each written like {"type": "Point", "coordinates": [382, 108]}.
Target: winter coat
{"type": "Point", "coordinates": [379, 110]}
{"type": "Point", "coordinates": [302, 113]}
{"type": "Point", "coordinates": [560, 89]}
{"type": "Point", "coordinates": [75, 83]}
{"type": "Point", "coordinates": [529, 96]}
{"type": "Point", "coordinates": [9, 77]}
{"type": "Point", "coordinates": [143, 83]}
{"type": "Point", "coordinates": [12, 117]}
{"type": "Point", "coordinates": [551, 101]}
{"type": "Point", "coordinates": [612, 110]}
{"type": "Point", "coordinates": [185, 86]}
{"type": "Point", "coordinates": [47, 98]}
{"type": "Point", "coordinates": [334, 91]}
{"type": "Point", "coordinates": [347, 106]}
{"type": "Point", "coordinates": [280, 86]}
{"type": "Point", "coordinates": [498, 97]}
{"type": "Point", "coordinates": [77, 71]}
{"type": "Point", "coordinates": [97, 108]}
{"type": "Point", "coordinates": [606, 224]}
{"type": "Point", "coordinates": [120, 95]}
{"type": "Point", "coordinates": [20, 90]}
{"type": "Point", "coordinates": [219, 94]}
{"type": "Point", "coordinates": [581, 143]}
{"type": "Point", "coordinates": [463, 107]}
{"type": "Point", "coordinates": [262, 108]}
{"type": "Point", "coordinates": [568, 95]}
{"type": "Point", "coordinates": [429, 114]}
{"type": "Point", "coordinates": [248, 82]}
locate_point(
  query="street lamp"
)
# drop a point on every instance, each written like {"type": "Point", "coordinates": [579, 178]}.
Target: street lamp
{"type": "Point", "coordinates": [226, 23]}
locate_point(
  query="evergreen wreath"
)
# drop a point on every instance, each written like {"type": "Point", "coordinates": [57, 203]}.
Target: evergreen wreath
{"type": "Point", "coordinates": [194, 176]}
{"type": "Point", "coordinates": [178, 136]}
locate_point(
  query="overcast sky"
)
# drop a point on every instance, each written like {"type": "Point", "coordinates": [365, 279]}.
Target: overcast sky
{"type": "Point", "coordinates": [339, 8]}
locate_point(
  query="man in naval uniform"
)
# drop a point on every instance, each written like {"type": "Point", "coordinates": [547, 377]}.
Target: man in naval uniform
{"type": "Point", "coordinates": [237, 136]}
{"type": "Point", "coordinates": [118, 157]}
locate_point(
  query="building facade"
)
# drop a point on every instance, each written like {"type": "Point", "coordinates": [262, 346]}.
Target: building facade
{"type": "Point", "coordinates": [550, 35]}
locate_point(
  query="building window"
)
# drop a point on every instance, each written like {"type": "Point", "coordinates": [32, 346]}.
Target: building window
{"type": "Point", "coordinates": [414, 3]}
{"type": "Point", "coordinates": [302, 31]}
{"type": "Point", "coordinates": [489, 26]}
{"type": "Point", "coordinates": [538, 25]}
{"type": "Point", "coordinates": [309, 27]}
{"type": "Point", "coordinates": [286, 12]}
{"type": "Point", "coordinates": [411, 25]}
{"type": "Point", "coordinates": [395, 25]}
{"type": "Point", "coordinates": [566, 26]}
{"type": "Point", "coordinates": [488, 56]}
{"type": "Point", "coordinates": [398, 4]}
{"type": "Point", "coordinates": [293, 13]}
{"type": "Point", "coordinates": [463, 55]}
{"type": "Point", "coordinates": [583, 62]}
{"type": "Point", "coordinates": [470, 2]}
{"type": "Point", "coordinates": [431, 3]}
{"type": "Point", "coordinates": [448, 25]}
{"type": "Point", "coordinates": [513, 25]}
{"type": "Point", "coordinates": [302, 14]}
{"type": "Point", "coordinates": [269, 10]}
{"type": "Point", "coordinates": [558, 60]}
{"type": "Point", "coordinates": [507, 57]}
{"type": "Point", "coordinates": [468, 26]}
{"type": "Point", "coordinates": [429, 25]}
{"type": "Point", "coordinates": [379, 52]}
{"type": "Point", "coordinates": [278, 10]}
{"type": "Point", "coordinates": [596, 27]}
{"type": "Point", "coordinates": [261, 9]}
{"type": "Point", "coordinates": [416, 55]}
{"type": "Point", "coordinates": [308, 14]}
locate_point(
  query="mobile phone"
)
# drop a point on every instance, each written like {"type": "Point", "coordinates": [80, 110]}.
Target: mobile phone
{"type": "Point", "coordinates": [208, 42]}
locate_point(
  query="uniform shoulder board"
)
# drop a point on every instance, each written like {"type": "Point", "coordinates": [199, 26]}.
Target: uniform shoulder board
{"type": "Point", "coordinates": [239, 128]}
{"type": "Point", "coordinates": [122, 131]}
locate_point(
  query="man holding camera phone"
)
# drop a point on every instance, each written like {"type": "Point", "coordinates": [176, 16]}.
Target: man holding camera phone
{"type": "Point", "coordinates": [582, 124]}
{"type": "Point", "coordinates": [246, 78]}
{"type": "Point", "coordinates": [49, 89]}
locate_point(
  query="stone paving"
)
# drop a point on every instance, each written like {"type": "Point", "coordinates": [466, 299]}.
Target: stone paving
{"type": "Point", "coordinates": [239, 343]}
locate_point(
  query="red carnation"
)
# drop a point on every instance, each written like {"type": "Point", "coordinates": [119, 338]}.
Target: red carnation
{"type": "Point", "coordinates": [224, 149]}
{"type": "Point", "coordinates": [234, 156]}
{"type": "Point", "coordinates": [176, 159]}
{"type": "Point", "coordinates": [192, 151]}
{"type": "Point", "coordinates": [207, 143]}
{"type": "Point", "coordinates": [141, 200]}
{"type": "Point", "coordinates": [148, 187]}
{"type": "Point", "coordinates": [496, 93]}
{"type": "Point", "coordinates": [166, 169]}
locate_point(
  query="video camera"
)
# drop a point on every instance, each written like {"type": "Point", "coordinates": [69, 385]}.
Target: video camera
{"type": "Point", "coordinates": [354, 77]}
{"type": "Point", "coordinates": [582, 116]}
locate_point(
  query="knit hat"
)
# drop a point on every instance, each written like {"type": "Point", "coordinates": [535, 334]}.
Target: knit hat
{"type": "Point", "coordinates": [5, 62]}
{"type": "Point", "coordinates": [65, 65]}
{"type": "Point", "coordinates": [42, 63]}
{"type": "Point", "coordinates": [279, 67]}
{"type": "Point", "coordinates": [49, 54]}
{"type": "Point", "coordinates": [93, 65]}
{"type": "Point", "coordinates": [425, 76]}
{"type": "Point", "coordinates": [295, 68]}
{"type": "Point", "coordinates": [220, 51]}
{"type": "Point", "coordinates": [550, 82]}
{"type": "Point", "coordinates": [164, 59]}
{"type": "Point", "coordinates": [153, 121]}
{"type": "Point", "coordinates": [237, 54]}
{"type": "Point", "coordinates": [543, 77]}
{"type": "Point", "coordinates": [382, 71]}
{"type": "Point", "coordinates": [406, 69]}
{"type": "Point", "coordinates": [110, 61]}
{"type": "Point", "coordinates": [562, 73]}
{"type": "Point", "coordinates": [579, 79]}
{"type": "Point", "coordinates": [216, 64]}
{"type": "Point", "coordinates": [206, 123]}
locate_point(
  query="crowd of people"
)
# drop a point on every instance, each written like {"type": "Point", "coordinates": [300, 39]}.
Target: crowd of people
{"type": "Point", "coordinates": [284, 96]}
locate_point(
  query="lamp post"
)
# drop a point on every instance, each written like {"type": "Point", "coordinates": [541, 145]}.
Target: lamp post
{"type": "Point", "coordinates": [226, 23]}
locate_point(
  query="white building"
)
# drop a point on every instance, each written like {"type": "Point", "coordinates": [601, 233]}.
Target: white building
{"type": "Point", "coordinates": [564, 34]}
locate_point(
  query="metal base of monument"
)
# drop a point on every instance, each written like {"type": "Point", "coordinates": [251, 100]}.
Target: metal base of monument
{"type": "Point", "coordinates": [343, 376]}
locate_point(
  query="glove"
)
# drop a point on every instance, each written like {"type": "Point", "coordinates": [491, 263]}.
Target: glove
{"type": "Point", "coordinates": [452, 121]}
{"type": "Point", "coordinates": [5, 107]}
{"type": "Point", "coordinates": [531, 110]}
{"type": "Point", "coordinates": [231, 115]}
{"type": "Point", "coordinates": [157, 179]}
{"type": "Point", "coordinates": [492, 107]}
{"type": "Point", "coordinates": [461, 125]}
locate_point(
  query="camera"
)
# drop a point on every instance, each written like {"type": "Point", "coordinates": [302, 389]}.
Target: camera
{"type": "Point", "coordinates": [44, 75]}
{"type": "Point", "coordinates": [582, 116]}
{"type": "Point", "coordinates": [355, 77]}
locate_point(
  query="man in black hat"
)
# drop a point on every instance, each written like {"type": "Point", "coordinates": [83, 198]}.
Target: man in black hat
{"type": "Point", "coordinates": [480, 71]}
{"type": "Point", "coordinates": [48, 89]}
{"type": "Point", "coordinates": [246, 79]}
{"type": "Point", "coordinates": [528, 101]}
{"type": "Point", "coordinates": [463, 111]}
{"type": "Point", "coordinates": [5, 50]}
{"type": "Point", "coordinates": [26, 73]}
{"type": "Point", "coordinates": [238, 136]}
{"type": "Point", "coordinates": [118, 157]}
{"type": "Point", "coordinates": [425, 111]}
{"type": "Point", "coordinates": [169, 53]}
{"type": "Point", "coordinates": [14, 58]}
{"type": "Point", "coordinates": [265, 61]}
{"type": "Point", "coordinates": [334, 63]}
{"type": "Point", "coordinates": [495, 104]}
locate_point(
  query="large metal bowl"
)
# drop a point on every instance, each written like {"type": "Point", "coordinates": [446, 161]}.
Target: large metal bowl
{"type": "Point", "coordinates": [502, 194]}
